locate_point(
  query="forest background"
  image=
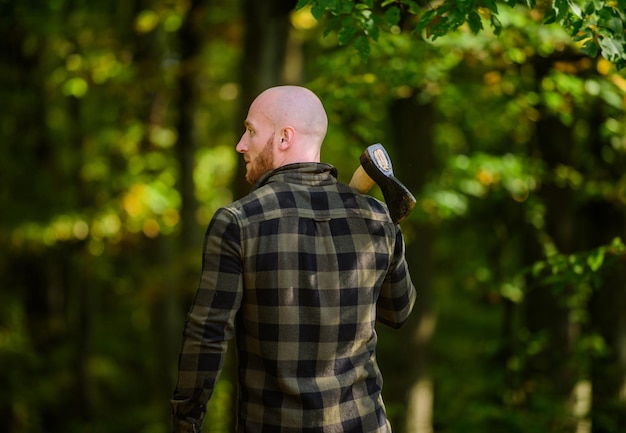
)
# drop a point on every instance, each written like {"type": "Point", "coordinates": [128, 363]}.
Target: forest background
{"type": "Point", "coordinates": [118, 126]}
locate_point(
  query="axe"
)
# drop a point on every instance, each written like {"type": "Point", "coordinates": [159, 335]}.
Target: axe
{"type": "Point", "coordinates": [376, 168]}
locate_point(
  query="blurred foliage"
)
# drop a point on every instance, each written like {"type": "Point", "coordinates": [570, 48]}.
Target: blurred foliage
{"type": "Point", "coordinates": [516, 152]}
{"type": "Point", "coordinates": [598, 25]}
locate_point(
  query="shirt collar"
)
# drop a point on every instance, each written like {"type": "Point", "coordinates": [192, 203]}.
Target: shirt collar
{"type": "Point", "coordinates": [306, 173]}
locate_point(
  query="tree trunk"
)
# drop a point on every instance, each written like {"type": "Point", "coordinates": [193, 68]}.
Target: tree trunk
{"type": "Point", "coordinates": [414, 163]}
{"type": "Point", "coordinates": [263, 60]}
{"type": "Point", "coordinates": [190, 39]}
{"type": "Point", "coordinates": [546, 314]}
{"type": "Point", "coordinates": [605, 221]}
{"type": "Point", "coordinates": [190, 42]}
{"type": "Point", "coordinates": [608, 370]}
{"type": "Point", "coordinates": [163, 258]}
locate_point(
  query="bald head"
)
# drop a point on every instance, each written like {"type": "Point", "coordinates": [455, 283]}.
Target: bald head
{"type": "Point", "coordinates": [298, 107]}
{"type": "Point", "coordinates": [285, 125]}
{"type": "Point", "coordinates": [298, 117]}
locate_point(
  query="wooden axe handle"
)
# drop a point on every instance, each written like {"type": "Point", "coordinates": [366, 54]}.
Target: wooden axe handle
{"type": "Point", "coordinates": [376, 168]}
{"type": "Point", "coordinates": [361, 181]}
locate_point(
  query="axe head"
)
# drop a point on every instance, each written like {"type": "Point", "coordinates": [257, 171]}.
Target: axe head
{"type": "Point", "coordinates": [376, 163]}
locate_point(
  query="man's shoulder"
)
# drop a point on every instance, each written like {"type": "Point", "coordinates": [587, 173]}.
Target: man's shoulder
{"type": "Point", "coordinates": [279, 199]}
{"type": "Point", "coordinates": [257, 202]}
{"type": "Point", "coordinates": [376, 208]}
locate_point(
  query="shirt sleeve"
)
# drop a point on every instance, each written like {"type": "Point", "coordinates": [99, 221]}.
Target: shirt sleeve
{"type": "Point", "coordinates": [210, 322]}
{"type": "Point", "coordinates": [397, 295]}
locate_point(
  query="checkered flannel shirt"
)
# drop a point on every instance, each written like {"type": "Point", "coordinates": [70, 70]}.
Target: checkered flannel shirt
{"type": "Point", "coordinates": [302, 268]}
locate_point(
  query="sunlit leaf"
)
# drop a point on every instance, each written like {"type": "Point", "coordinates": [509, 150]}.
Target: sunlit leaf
{"type": "Point", "coordinates": [146, 21]}
{"type": "Point", "coordinates": [596, 260]}
{"type": "Point", "coordinates": [537, 268]}
{"type": "Point", "coordinates": [76, 87]}
{"type": "Point", "coordinates": [590, 48]}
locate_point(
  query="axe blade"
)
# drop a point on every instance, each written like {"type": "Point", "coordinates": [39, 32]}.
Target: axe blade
{"type": "Point", "coordinates": [377, 165]}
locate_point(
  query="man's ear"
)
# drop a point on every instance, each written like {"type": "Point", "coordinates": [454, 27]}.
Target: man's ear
{"type": "Point", "coordinates": [287, 135]}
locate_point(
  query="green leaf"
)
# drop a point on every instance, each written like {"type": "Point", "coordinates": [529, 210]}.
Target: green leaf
{"type": "Point", "coordinates": [475, 24]}
{"type": "Point", "coordinates": [413, 7]}
{"type": "Point", "coordinates": [317, 11]}
{"type": "Point", "coordinates": [590, 48]}
{"type": "Point", "coordinates": [491, 5]}
{"type": "Point", "coordinates": [582, 35]}
{"type": "Point", "coordinates": [576, 25]}
{"type": "Point", "coordinates": [605, 13]}
{"type": "Point", "coordinates": [425, 20]}
{"type": "Point", "coordinates": [578, 269]}
{"type": "Point", "coordinates": [496, 24]}
{"type": "Point", "coordinates": [440, 26]}
{"type": "Point", "coordinates": [550, 17]}
{"type": "Point", "coordinates": [560, 7]}
{"type": "Point", "coordinates": [333, 24]}
{"type": "Point", "coordinates": [373, 31]}
{"type": "Point", "coordinates": [456, 17]}
{"type": "Point", "coordinates": [330, 5]}
{"type": "Point", "coordinates": [595, 260]}
{"type": "Point", "coordinates": [362, 46]}
{"type": "Point", "coordinates": [392, 15]}
{"type": "Point", "coordinates": [576, 10]}
{"type": "Point", "coordinates": [614, 24]}
{"type": "Point", "coordinates": [346, 33]}
{"type": "Point", "coordinates": [303, 3]}
{"type": "Point", "coordinates": [617, 246]}
{"type": "Point", "coordinates": [344, 7]}
{"type": "Point", "coordinates": [611, 49]}
{"type": "Point", "coordinates": [538, 267]}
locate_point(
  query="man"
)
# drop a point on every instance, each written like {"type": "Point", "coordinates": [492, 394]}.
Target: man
{"type": "Point", "coordinates": [301, 268]}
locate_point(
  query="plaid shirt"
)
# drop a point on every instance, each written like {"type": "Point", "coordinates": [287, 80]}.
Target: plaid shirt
{"type": "Point", "coordinates": [302, 268]}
